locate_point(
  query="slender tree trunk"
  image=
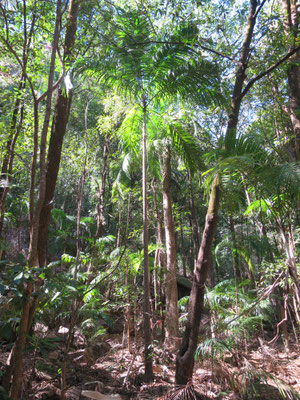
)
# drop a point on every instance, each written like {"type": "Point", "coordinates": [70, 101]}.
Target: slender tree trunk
{"type": "Point", "coordinates": [236, 261]}
{"type": "Point", "coordinates": [60, 119]}
{"type": "Point", "coordinates": [183, 256]}
{"type": "Point", "coordinates": [159, 253]}
{"type": "Point", "coordinates": [59, 124]}
{"type": "Point", "coordinates": [100, 219]}
{"type": "Point", "coordinates": [291, 28]}
{"type": "Point", "coordinates": [185, 357]}
{"type": "Point", "coordinates": [100, 206]}
{"type": "Point", "coordinates": [17, 358]}
{"type": "Point", "coordinates": [171, 321]}
{"type": "Point", "coordinates": [80, 196]}
{"type": "Point", "coordinates": [7, 165]}
{"type": "Point", "coordinates": [147, 304]}
{"type": "Point", "coordinates": [129, 320]}
{"type": "Point", "coordinates": [196, 239]}
{"type": "Point", "coordinates": [289, 251]}
{"type": "Point", "coordinates": [75, 302]}
{"type": "Point", "coordinates": [15, 126]}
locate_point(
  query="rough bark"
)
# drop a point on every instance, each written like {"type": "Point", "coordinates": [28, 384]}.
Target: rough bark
{"type": "Point", "coordinates": [235, 255]}
{"type": "Point", "coordinates": [60, 119]}
{"type": "Point", "coordinates": [17, 358]}
{"type": "Point", "coordinates": [194, 224]}
{"type": "Point", "coordinates": [185, 357]}
{"type": "Point", "coordinates": [29, 302]}
{"type": "Point", "coordinates": [58, 130]}
{"type": "Point", "coordinates": [291, 28]}
{"type": "Point", "coordinates": [171, 321]}
{"type": "Point", "coordinates": [147, 304]}
{"type": "Point", "coordinates": [100, 206]}
{"type": "Point", "coordinates": [159, 255]}
{"type": "Point", "coordinates": [34, 222]}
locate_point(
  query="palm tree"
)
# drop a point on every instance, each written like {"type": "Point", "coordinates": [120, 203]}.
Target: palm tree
{"type": "Point", "coordinates": [147, 66]}
{"type": "Point", "coordinates": [172, 134]}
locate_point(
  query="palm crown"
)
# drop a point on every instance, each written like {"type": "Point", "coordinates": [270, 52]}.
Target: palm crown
{"type": "Point", "coordinates": [145, 64]}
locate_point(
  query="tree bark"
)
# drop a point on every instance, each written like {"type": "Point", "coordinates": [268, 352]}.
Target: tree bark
{"type": "Point", "coordinates": [185, 357]}
{"type": "Point", "coordinates": [7, 165]}
{"type": "Point", "coordinates": [159, 262]}
{"type": "Point", "coordinates": [147, 304]}
{"type": "Point", "coordinates": [18, 350]}
{"type": "Point", "coordinates": [291, 28]}
{"type": "Point", "coordinates": [171, 321]}
{"type": "Point", "coordinates": [100, 206]}
{"type": "Point", "coordinates": [16, 126]}
{"type": "Point", "coordinates": [60, 120]}
{"type": "Point", "coordinates": [194, 224]}
{"type": "Point", "coordinates": [58, 130]}
{"type": "Point", "coordinates": [37, 254]}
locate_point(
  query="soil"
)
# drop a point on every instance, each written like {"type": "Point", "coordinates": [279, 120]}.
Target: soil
{"type": "Point", "coordinates": [106, 366]}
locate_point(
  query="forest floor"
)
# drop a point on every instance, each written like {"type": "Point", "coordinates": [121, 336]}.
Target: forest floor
{"type": "Point", "coordinates": [107, 366]}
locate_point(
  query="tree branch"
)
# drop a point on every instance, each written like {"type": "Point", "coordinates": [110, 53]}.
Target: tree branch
{"type": "Point", "coordinates": [57, 83]}
{"type": "Point", "coordinates": [259, 8]}
{"type": "Point", "coordinates": [5, 19]}
{"type": "Point", "coordinates": [267, 71]}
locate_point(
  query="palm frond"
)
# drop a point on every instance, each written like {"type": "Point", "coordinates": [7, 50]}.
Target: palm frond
{"type": "Point", "coordinates": [130, 131]}
{"type": "Point", "coordinates": [186, 392]}
{"type": "Point", "coordinates": [255, 383]}
{"type": "Point", "coordinates": [187, 147]}
{"type": "Point", "coordinates": [138, 61]}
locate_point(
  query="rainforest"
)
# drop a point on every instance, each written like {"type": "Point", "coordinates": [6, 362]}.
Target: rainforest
{"type": "Point", "coordinates": [149, 199]}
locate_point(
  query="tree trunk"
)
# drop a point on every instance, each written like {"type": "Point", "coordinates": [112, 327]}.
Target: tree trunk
{"type": "Point", "coordinates": [194, 224]}
{"type": "Point", "coordinates": [7, 165]}
{"type": "Point", "coordinates": [185, 357]}
{"type": "Point", "coordinates": [17, 357]}
{"type": "Point", "coordinates": [291, 27]}
{"type": "Point", "coordinates": [37, 255]}
{"type": "Point", "coordinates": [183, 256]}
{"type": "Point", "coordinates": [15, 126]}
{"type": "Point", "coordinates": [159, 254]}
{"type": "Point", "coordinates": [147, 304]}
{"type": "Point", "coordinates": [236, 261]}
{"type": "Point", "coordinates": [100, 206]}
{"type": "Point", "coordinates": [60, 119]}
{"type": "Point", "coordinates": [171, 321]}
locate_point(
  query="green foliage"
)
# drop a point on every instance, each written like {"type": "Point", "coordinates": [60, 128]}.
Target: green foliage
{"type": "Point", "coordinates": [252, 378]}
{"type": "Point", "coordinates": [43, 345]}
{"type": "Point", "coordinates": [157, 59]}
{"type": "Point", "coordinates": [3, 394]}
{"type": "Point", "coordinates": [229, 302]}
{"type": "Point", "coordinates": [213, 348]}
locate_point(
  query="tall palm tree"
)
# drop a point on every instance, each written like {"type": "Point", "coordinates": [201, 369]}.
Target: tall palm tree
{"type": "Point", "coordinates": [146, 65]}
{"type": "Point", "coordinates": [172, 134]}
